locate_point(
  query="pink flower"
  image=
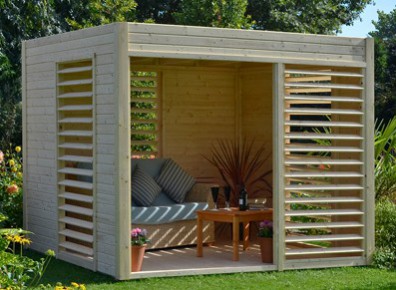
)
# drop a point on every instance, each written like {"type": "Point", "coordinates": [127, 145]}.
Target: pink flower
{"type": "Point", "coordinates": [1, 156]}
{"type": "Point", "coordinates": [12, 188]}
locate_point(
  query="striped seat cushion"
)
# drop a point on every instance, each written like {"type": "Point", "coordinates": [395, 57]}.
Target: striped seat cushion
{"type": "Point", "coordinates": [175, 182]}
{"type": "Point", "coordinates": [144, 188]}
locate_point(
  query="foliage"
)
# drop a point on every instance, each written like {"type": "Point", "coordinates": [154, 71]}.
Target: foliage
{"type": "Point", "coordinates": [385, 159]}
{"type": "Point", "coordinates": [385, 235]}
{"type": "Point", "coordinates": [265, 229]}
{"type": "Point", "coordinates": [139, 237]}
{"type": "Point", "coordinates": [385, 64]}
{"type": "Point", "coordinates": [16, 270]}
{"type": "Point", "coordinates": [72, 286]}
{"type": "Point", "coordinates": [219, 13]}
{"type": "Point", "coordinates": [241, 163]}
{"type": "Point", "coordinates": [11, 195]}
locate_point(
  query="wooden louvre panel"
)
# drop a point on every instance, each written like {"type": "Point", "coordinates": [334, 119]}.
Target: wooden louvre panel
{"type": "Point", "coordinates": [76, 158]}
{"type": "Point", "coordinates": [323, 146]}
{"type": "Point", "coordinates": [145, 114]}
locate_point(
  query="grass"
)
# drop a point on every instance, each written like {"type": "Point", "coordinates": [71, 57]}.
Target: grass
{"type": "Point", "coordinates": [348, 278]}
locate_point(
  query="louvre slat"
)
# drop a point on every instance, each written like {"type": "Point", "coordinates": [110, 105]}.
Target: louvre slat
{"type": "Point", "coordinates": [310, 148]}
{"type": "Point", "coordinates": [314, 238]}
{"type": "Point", "coordinates": [314, 111]}
{"type": "Point", "coordinates": [323, 98]}
{"type": "Point", "coordinates": [77, 248]}
{"type": "Point", "coordinates": [76, 120]}
{"type": "Point", "coordinates": [323, 73]}
{"type": "Point", "coordinates": [75, 69]}
{"type": "Point", "coordinates": [323, 212]}
{"type": "Point", "coordinates": [76, 95]}
{"type": "Point", "coordinates": [76, 171]}
{"type": "Point", "coordinates": [323, 124]}
{"type": "Point", "coordinates": [138, 142]}
{"type": "Point", "coordinates": [296, 187]}
{"type": "Point", "coordinates": [76, 197]}
{"type": "Point", "coordinates": [323, 85]}
{"type": "Point", "coordinates": [143, 78]}
{"type": "Point", "coordinates": [324, 174]}
{"type": "Point", "coordinates": [142, 132]}
{"type": "Point", "coordinates": [77, 184]}
{"type": "Point", "coordinates": [140, 89]}
{"type": "Point", "coordinates": [336, 199]}
{"type": "Point", "coordinates": [81, 146]}
{"type": "Point", "coordinates": [144, 100]}
{"type": "Point", "coordinates": [76, 209]}
{"type": "Point", "coordinates": [77, 235]}
{"type": "Point", "coordinates": [75, 158]}
{"type": "Point", "coordinates": [77, 133]}
{"type": "Point", "coordinates": [76, 108]}
{"type": "Point", "coordinates": [316, 251]}
{"type": "Point", "coordinates": [77, 222]}
{"type": "Point", "coordinates": [310, 136]}
{"type": "Point", "coordinates": [75, 82]}
{"type": "Point", "coordinates": [137, 110]}
{"type": "Point", "coordinates": [329, 225]}
{"type": "Point", "coordinates": [321, 161]}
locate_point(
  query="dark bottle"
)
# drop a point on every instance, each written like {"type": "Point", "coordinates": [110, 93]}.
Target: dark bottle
{"type": "Point", "coordinates": [243, 199]}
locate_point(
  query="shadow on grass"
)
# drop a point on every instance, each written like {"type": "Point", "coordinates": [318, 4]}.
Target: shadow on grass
{"type": "Point", "coordinates": [60, 271]}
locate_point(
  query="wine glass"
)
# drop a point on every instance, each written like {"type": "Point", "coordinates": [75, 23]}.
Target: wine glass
{"type": "Point", "coordinates": [227, 195]}
{"type": "Point", "coordinates": [215, 195]}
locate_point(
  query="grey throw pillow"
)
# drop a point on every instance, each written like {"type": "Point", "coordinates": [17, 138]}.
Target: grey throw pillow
{"type": "Point", "coordinates": [144, 188]}
{"type": "Point", "coordinates": [175, 182]}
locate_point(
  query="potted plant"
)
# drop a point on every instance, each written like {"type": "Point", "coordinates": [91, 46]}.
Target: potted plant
{"type": "Point", "coordinates": [139, 242]}
{"type": "Point", "coordinates": [242, 163]}
{"type": "Point", "coordinates": [265, 233]}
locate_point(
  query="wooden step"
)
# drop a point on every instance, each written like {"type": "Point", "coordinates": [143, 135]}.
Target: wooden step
{"type": "Point", "coordinates": [296, 187]}
{"type": "Point", "coordinates": [75, 69]}
{"type": "Point", "coordinates": [324, 136]}
{"type": "Point", "coordinates": [323, 85]}
{"type": "Point", "coordinates": [323, 124]}
{"type": "Point", "coordinates": [77, 235]}
{"type": "Point", "coordinates": [76, 133]}
{"type": "Point", "coordinates": [315, 111]}
{"type": "Point", "coordinates": [76, 95]}
{"type": "Point", "coordinates": [335, 199]}
{"type": "Point", "coordinates": [76, 158]}
{"type": "Point", "coordinates": [81, 146]}
{"type": "Point", "coordinates": [77, 222]}
{"type": "Point", "coordinates": [318, 251]}
{"type": "Point", "coordinates": [76, 108]}
{"type": "Point", "coordinates": [316, 148]}
{"type": "Point", "coordinates": [77, 184]}
{"type": "Point", "coordinates": [76, 209]}
{"type": "Point", "coordinates": [75, 82]}
{"type": "Point", "coordinates": [329, 225]}
{"type": "Point", "coordinates": [77, 248]}
{"type": "Point", "coordinates": [76, 171]}
{"type": "Point", "coordinates": [324, 73]}
{"type": "Point", "coordinates": [321, 161]}
{"type": "Point", "coordinates": [76, 121]}
{"type": "Point", "coordinates": [330, 212]}
{"type": "Point", "coordinates": [317, 238]}
{"type": "Point", "coordinates": [76, 197]}
{"type": "Point", "coordinates": [342, 174]}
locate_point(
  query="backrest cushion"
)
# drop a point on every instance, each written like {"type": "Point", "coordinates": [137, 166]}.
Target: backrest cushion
{"type": "Point", "coordinates": [175, 182]}
{"type": "Point", "coordinates": [151, 166]}
{"type": "Point", "coordinates": [144, 188]}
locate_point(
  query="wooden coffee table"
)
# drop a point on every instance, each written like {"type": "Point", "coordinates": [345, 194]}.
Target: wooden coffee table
{"type": "Point", "coordinates": [235, 217]}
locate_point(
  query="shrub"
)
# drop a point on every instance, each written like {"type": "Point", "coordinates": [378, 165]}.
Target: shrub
{"type": "Point", "coordinates": [385, 235]}
{"type": "Point", "coordinates": [11, 195]}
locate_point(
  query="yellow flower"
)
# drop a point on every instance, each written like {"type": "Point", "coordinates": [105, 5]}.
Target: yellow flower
{"type": "Point", "coordinates": [14, 169]}
{"type": "Point", "coordinates": [18, 149]}
{"type": "Point", "coordinates": [74, 284]}
{"type": "Point", "coordinates": [19, 175]}
{"type": "Point", "coordinates": [82, 287]}
{"type": "Point", "coordinates": [11, 162]}
{"type": "Point", "coordinates": [50, 253]}
{"type": "Point", "coordinates": [25, 241]}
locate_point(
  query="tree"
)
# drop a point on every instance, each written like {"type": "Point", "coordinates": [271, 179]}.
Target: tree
{"type": "Point", "coordinates": [157, 11]}
{"type": "Point", "coordinates": [218, 13]}
{"type": "Point", "coordinates": [385, 65]}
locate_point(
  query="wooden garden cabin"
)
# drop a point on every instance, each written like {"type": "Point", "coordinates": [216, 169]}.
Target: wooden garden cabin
{"type": "Point", "coordinates": [309, 98]}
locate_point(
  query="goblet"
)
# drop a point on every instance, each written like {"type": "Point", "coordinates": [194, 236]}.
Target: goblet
{"type": "Point", "coordinates": [215, 195]}
{"type": "Point", "coordinates": [227, 195]}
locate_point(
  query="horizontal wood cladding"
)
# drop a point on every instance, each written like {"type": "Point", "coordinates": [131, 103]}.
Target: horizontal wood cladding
{"type": "Point", "coordinates": [243, 45]}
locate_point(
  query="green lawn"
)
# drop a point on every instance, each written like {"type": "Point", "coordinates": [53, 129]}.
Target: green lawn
{"type": "Point", "coordinates": [334, 278]}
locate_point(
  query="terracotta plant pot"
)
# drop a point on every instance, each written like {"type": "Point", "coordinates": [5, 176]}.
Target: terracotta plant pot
{"type": "Point", "coordinates": [266, 249]}
{"type": "Point", "coordinates": [137, 255]}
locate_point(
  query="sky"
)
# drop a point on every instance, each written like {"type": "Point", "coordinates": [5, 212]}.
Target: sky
{"type": "Point", "coordinates": [362, 28]}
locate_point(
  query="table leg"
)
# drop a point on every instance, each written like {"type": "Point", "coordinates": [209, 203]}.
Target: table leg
{"type": "Point", "coordinates": [235, 238]}
{"type": "Point", "coordinates": [246, 231]}
{"type": "Point", "coordinates": [199, 237]}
